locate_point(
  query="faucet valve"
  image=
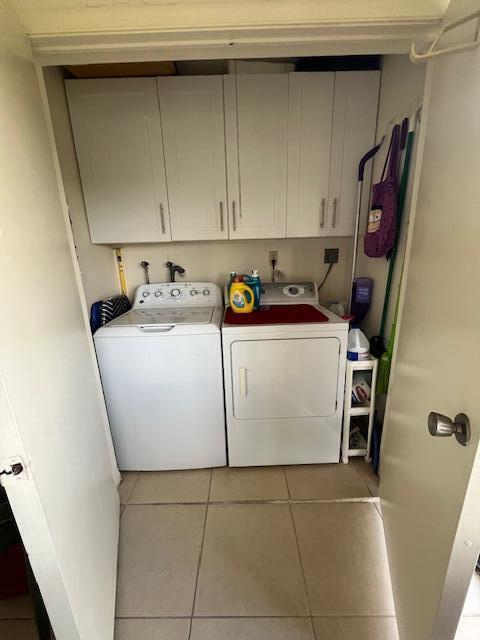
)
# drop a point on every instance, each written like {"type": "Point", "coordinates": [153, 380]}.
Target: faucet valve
{"type": "Point", "coordinates": [173, 269]}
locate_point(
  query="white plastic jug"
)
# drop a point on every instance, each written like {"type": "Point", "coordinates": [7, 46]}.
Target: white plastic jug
{"type": "Point", "coordinates": [358, 347]}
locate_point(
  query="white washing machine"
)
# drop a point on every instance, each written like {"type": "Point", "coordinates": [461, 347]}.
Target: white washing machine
{"type": "Point", "coordinates": [161, 370]}
{"type": "Point", "coordinates": [284, 370]}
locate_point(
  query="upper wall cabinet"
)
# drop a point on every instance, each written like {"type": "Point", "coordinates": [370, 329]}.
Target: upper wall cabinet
{"type": "Point", "coordinates": [256, 108]}
{"type": "Point", "coordinates": [194, 140]}
{"type": "Point", "coordinates": [332, 121]}
{"type": "Point", "coordinates": [283, 147]}
{"type": "Point", "coordinates": [309, 139]}
{"type": "Point", "coordinates": [354, 124]}
{"type": "Point", "coordinates": [118, 139]}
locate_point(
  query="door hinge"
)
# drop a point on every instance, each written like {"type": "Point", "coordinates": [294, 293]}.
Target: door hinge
{"type": "Point", "coordinates": [12, 468]}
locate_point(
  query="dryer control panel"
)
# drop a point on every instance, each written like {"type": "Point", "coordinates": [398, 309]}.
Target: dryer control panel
{"type": "Point", "coordinates": [169, 294]}
{"type": "Point", "coordinates": [289, 293]}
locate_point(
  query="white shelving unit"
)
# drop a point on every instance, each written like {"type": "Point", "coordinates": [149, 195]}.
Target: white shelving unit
{"type": "Point", "coordinates": [367, 409]}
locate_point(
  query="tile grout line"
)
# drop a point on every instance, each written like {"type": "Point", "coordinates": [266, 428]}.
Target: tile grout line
{"type": "Point", "coordinates": [255, 617]}
{"type": "Point", "coordinates": [365, 484]}
{"type": "Point", "coordinates": [286, 482]}
{"type": "Point", "coordinates": [361, 500]}
{"type": "Point", "coordinates": [312, 628]}
{"type": "Point", "coordinates": [300, 560]}
{"type": "Point", "coordinates": [377, 509]}
{"type": "Point", "coordinates": [310, 618]}
{"type": "Point", "coordinates": [127, 501]}
{"type": "Point", "coordinates": [17, 619]}
{"type": "Point", "coordinates": [207, 504]}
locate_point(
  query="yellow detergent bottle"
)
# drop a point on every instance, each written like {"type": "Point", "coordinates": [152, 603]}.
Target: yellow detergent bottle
{"type": "Point", "coordinates": [241, 297]}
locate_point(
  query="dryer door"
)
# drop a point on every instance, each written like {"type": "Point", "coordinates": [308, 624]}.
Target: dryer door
{"type": "Point", "coordinates": [292, 378]}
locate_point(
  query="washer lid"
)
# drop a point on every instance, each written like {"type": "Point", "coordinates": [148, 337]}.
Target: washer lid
{"type": "Point", "coordinates": [164, 316]}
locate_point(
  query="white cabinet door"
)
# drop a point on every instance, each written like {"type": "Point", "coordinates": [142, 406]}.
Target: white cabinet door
{"type": "Point", "coordinates": [309, 136]}
{"type": "Point", "coordinates": [270, 379]}
{"type": "Point", "coordinates": [354, 124]}
{"type": "Point", "coordinates": [118, 139]}
{"type": "Point", "coordinates": [194, 139]}
{"type": "Point", "coordinates": [256, 123]}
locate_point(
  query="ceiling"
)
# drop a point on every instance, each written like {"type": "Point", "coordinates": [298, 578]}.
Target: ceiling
{"type": "Point", "coordinates": [88, 16]}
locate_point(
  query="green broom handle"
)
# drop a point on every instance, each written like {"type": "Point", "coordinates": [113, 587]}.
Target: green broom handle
{"type": "Point", "coordinates": [401, 205]}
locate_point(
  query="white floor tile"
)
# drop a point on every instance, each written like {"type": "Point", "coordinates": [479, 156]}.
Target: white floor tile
{"type": "Point", "coordinates": [250, 564]}
{"type": "Point", "coordinates": [158, 560]}
{"type": "Point", "coordinates": [152, 629]}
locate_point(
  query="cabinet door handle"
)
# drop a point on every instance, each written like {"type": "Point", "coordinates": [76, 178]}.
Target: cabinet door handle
{"type": "Point", "coordinates": [322, 215]}
{"type": "Point", "coordinates": [234, 215]}
{"type": "Point", "coordinates": [162, 218]}
{"type": "Point", "coordinates": [221, 215]}
{"type": "Point", "coordinates": [242, 381]}
{"type": "Point", "coordinates": [334, 216]}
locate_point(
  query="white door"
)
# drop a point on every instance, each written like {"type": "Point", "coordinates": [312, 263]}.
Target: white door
{"type": "Point", "coordinates": [256, 108]}
{"type": "Point", "coordinates": [310, 109]}
{"type": "Point", "coordinates": [194, 139]}
{"type": "Point", "coordinates": [118, 139]}
{"type": "Point", "coordinates": [268, 378]}
{"type": "Point", "coordinates": [431, 486]}
{"type": "Point", "coordinates": [354, 123]}
{"type": "Point", "coordinates": [66, 503]}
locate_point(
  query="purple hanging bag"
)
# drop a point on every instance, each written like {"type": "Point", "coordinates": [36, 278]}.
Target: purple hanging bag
{"type": "Point", "coordinates": [379, 238]}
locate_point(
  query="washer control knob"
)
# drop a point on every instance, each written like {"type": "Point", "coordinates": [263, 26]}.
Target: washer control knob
{"type": "Point", "coordinates": [145, 294]}
{"type": "Point", "coordinates": [175, 293]}
{"type": "Point", "coordinates": [206, 292]}
{"type": "Point", "coordinates": [293, 291]}
{"type": "Point", "coordinates": [158, 293]}
{"type": "Point", "coordinates": [193, 292]}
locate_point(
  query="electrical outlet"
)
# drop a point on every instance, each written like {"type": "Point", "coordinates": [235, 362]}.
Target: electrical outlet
{"type": "Point", "coordinates": [272, 255]}
{"type": "Point", "coordinates": [331, 256]}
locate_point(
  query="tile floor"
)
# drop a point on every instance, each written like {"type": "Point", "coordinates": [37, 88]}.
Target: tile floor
{"type": "Point", "coordinates": [292, 553]}
{"type": "Point", "coordinates": [278, 553]}
{"type": "Point", "coordinates": [16, 619]}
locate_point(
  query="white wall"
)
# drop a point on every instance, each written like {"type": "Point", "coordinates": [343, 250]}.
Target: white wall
{"type": "Point", "coordinates": [298, 259]}
{"type": "Point", "coordinates": [96, 262]}
{"type": "Point", "coordinates": [401, 87]}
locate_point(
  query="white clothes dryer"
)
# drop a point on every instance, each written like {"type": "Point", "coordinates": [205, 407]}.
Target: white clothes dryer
{"type": "Point", "coordinates": [284, 371]}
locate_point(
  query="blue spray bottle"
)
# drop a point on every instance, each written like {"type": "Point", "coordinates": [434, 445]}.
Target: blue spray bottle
{"type": "Point", "coordinates": [254, 283]}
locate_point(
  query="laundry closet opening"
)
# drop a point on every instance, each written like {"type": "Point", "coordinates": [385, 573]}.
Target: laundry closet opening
{"type": "Point", "coordinates": [215, 166]}
{"type": "Point", "coordinates": [204, 168]}
{"type": "Point", "coordinates": [249, 444]}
